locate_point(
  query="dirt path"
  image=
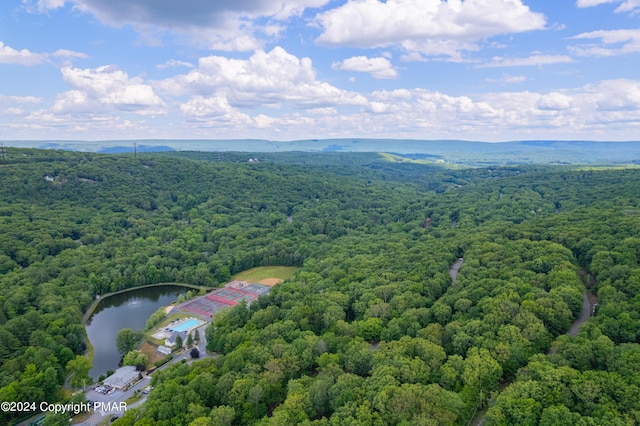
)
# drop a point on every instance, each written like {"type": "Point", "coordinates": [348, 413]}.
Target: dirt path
{"type": "Point", "coordinates": [271, 281]}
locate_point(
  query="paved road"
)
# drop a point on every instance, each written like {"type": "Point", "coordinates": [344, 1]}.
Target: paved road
{"type": "Point", "coordinates": [120, 396]}
{"type": "Point", "coordinates": [585, 314]}
{"type": "Point", "coordinates": [453, 272]}
{"type": "Point", "coordinates": [112, 402]}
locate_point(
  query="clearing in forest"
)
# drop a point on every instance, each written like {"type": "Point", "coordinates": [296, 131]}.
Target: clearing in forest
{"type": "Point", "coordinates": [151, 351]}
{"type": "Point", "coordinates": [267, 275]}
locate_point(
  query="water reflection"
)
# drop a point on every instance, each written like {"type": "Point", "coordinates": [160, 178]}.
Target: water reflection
{"type": "Point", "coordinates": [130, 309]}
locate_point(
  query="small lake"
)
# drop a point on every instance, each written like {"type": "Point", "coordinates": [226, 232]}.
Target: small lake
{"type": "Point", "coordinates": [130, 309]}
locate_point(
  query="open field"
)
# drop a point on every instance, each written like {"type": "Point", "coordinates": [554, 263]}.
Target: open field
{"type": "Point", "coordinates": [255, 275]}
{"type": "Point", "coordinates": [152, 354]}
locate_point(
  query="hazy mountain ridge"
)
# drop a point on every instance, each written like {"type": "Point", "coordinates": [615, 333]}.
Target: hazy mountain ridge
{"type": "Point", "coordinates": [447, 151]}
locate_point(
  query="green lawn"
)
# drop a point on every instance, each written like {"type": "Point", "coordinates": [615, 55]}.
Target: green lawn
{"type": "Point", "coordinates": [263, 272]}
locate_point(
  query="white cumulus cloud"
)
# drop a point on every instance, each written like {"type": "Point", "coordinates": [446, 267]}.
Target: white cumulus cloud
{"type": "Point", "coordinates": [425, 27]}
{"type": "Point", "coordinates": [42, 6]}
{"type": "Point", "coordinates": [592, 111]}
{"type": "Point", "coordinates": [507, 78]}
{"type": "Point", "coordinates": [591, 3]}
{"type": "Point", "coordinates": [607, 109]}
{"type": "Point", "coordinates": [106, 88]}
{"type": "Point", "coordinates": [65, 53]}
{"type": "Point", "coordinates": [620, 95]}
{"type": "Point", "coordinates": [219, 24]}
{"type": "Point", "coordinates": [626, 6]}
{"type": "Point", "coordinates": [554, 101]}
{"type": "Point", "coordinates": [214, 109]}
{"type": "Point", "coordinates": [377, 67]}
{"type": "Point", "coordinates": [529, 61]}
{"type": "Point", "coordinates": [9, 55]}
{"type": "Point", "coordinates": [612, 43]}
{"type": "Point", "coordinates": [270, 79]}
{"type": "Point", "coordinates": [19, 99]}
{"type": "Point", "coordinates": [173, 63]}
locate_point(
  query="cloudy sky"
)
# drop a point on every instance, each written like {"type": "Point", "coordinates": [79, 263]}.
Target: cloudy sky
{"type": "Point", "coordinates": [489, 70]}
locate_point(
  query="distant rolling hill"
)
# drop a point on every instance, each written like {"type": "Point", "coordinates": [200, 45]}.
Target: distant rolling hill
{"type": "Point", "coordinates": [437, 151]}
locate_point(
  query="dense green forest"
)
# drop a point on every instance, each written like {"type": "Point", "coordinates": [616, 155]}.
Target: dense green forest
{"type": "Point", "coordinates": [371, 330]}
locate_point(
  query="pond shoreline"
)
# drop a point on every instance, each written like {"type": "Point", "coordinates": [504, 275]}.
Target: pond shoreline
{"type": "Point", "coordinates": [97, 301]}
{"type": "Point", "coordinates": [89, 352]}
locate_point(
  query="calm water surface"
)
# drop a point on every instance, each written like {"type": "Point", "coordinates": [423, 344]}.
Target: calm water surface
{"type": "Point", "coordinates": [130, 309]}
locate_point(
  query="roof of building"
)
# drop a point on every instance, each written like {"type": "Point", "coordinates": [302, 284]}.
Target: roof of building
{"type": "Point", "coordinates": [172, 339]}
{"type": "Point", "coordinates": [165, 350]}
{"type": "Point", "coordinates": [122, 377]}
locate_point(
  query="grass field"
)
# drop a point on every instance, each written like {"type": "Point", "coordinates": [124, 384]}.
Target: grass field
{"type": "Point", "coordinates": [152, 353]}
{"type": "Point", "coordinates": [260, 273]}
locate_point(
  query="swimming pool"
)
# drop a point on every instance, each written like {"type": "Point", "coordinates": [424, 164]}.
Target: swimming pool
{"type": "Point", "coordinates": [187, 325]}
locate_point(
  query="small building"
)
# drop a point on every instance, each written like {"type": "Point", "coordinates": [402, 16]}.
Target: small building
{"type": "Point", "coordinates": [123, 377]}
{"type": "Point", "coordinates": [236, 284]}
{"type": "Point", "coordinates": [171, 340]}
{"type": "Point", "coordinates": [164, 350]}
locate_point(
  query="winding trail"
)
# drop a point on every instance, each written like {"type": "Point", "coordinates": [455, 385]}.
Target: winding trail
{"type": "Point", "coordinates": [453, 272]}
{"type": "Point", "coordinates": [585, 314]}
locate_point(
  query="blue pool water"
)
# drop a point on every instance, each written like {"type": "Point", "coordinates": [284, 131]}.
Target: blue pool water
{"type": "Point", "coordinates": [185, 325]}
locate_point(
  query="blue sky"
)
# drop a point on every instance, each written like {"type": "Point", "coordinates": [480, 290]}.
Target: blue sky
{"type": "Point", "coordinates": [486, 70]}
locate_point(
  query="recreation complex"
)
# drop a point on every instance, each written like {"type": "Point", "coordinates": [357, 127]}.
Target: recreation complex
{"type": "Point", "coordinates": [204, 308]}
{"type": "Point", "coordinates": [230, 295]}
{"type": "Point", "coordinates": [182, 327]}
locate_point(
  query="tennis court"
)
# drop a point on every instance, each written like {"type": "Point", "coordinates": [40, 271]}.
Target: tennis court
{"type": "Point", "coordinates": [204, 307]}
{"type": "Point", "coordinates": [258, 289]}
{"type": "Point", "coordinates": [231, 296]}
{"type": "Point", "coordinates": [222, 298]}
